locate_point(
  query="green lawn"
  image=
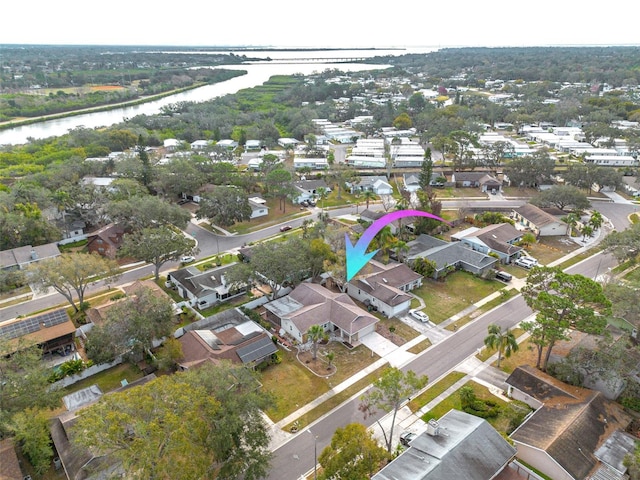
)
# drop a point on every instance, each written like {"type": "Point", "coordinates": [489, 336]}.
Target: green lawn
{"type": "Point", "coordinates": [293, 385]}
{"type": "Point", "coordinates": [510, 416]}
{"type": "Point", "coordinates": [109, 379]}
{"type": "Point", "coordinates": [456, 292]}
{"type": "Point", "coordinates": [434, 390]}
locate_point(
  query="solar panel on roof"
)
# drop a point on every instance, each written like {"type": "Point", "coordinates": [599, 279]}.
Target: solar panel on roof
{"type": "Point", "coordinates": [257, 350]}
{"type": "Point", "coordinates": [33, 324]}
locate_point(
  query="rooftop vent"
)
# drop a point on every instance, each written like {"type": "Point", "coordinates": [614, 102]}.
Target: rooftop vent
{"type": "Point", "coordinates": [433, 428]}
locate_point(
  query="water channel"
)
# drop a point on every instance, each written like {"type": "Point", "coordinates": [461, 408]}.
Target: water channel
{"type": "Point", "coordinates": [308, 62]}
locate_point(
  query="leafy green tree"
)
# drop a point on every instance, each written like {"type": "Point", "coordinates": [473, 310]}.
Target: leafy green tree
{"type": "Point", "coordinates": [561, 301]}
{"type": "Point", "coordinates": [531, 170]}
{"type": "Point", "coordinates": [352, 455]}
{"type": "Point", "coordinates": [137, 213]}
{"type": "Point", "coordinates": [388, 393]}
{"type": "Point", "coordinates": [562, 197]}
{"type": "Point", "coordinates": [23, 382]}
{"type": "Point", "coordinates": [131, 326]}
{"type": "Point", "coordinates": [624, 245]}
{"type": "Point", "coordinates": [279, 183]}
{"type": "Point", "coordinates": [424, 267]}
{"type": "Point", "coordinates": [31, 430]}
{"type": "Point", "coordinates": [276, 263]}
{"type": "Point", "coordinates": [203, 423]}
{"type": "Point", "coordinates": [463, 156]}
{"type": "Point", "coordinates": [426, 170]}
{"type": "Point", "coordinates": [71, 274]}
{"type": "Point", "coordinates": [402, 121]}
{"type": "Point", "coordinates": [157, 246]}
{"type": "Point", "coordinates": [316, 334]}
{"type": "Point", "coordinates": [225, 206]}
{"type": "Point", "coordinates": [503, 341]}
{"type": "Point", "coordinates": [624, 302]}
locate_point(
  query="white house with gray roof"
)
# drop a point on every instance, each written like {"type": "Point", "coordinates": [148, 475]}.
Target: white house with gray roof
{"type": "Point", "coordinates": [457, 446]}
{"type": "Point", "coordinates": [377, 184]}
{"type": "Point", "coordinates": [449, 255]}
{"type": "Point", "coordinates": [386, 288]}
{"type": "Point", "coordinates": [204, 289]}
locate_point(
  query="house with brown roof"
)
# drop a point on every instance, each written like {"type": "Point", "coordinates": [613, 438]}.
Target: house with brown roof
{"type": "Point", "coordinates": [52, 330]}
{"type": "Point", "coordinates": [538, 221]}
{"type": "Point", "coordinates": [312, 304]}
{"type": "Point", "coordinates": [386, 288]}
{"type": "Point", "coordinates": [245, 344]}
{"type": "Point", "coordinates": [106, 241]}
{"type": "Point", "coordinates": [499, 238]}
{"type": "Point", "coordinates": [9, 464]}
{"type": "Point", "coordinates": [569, 425]}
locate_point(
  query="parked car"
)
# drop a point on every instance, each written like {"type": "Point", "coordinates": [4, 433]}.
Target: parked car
{"type": "Point", "coordinates": [187, 259]}
{"type": "Point", "coordinates": [418, 315]}
{"type": "Point", "coordinates": [406, 437]}
{"type": "Point", "coordinates": [504, 276]}
{"type": "Point", "coordinates": [526, 262]}
{"type": "Point", "coordinates": [285, 228]}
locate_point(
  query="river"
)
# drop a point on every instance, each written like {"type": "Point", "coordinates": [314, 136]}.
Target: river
{"type": "Point", "coordinates": [257, 74]}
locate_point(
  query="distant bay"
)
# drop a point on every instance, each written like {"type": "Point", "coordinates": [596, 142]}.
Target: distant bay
{"type": "Point", "coordinates": [306, 62]}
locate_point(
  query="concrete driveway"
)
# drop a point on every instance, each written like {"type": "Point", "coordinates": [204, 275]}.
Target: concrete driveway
{"type": "Point", "coordinates": [396, 356]}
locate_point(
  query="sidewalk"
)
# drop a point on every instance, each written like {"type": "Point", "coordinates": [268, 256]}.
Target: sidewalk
{"type": "Point", "coordinates": [474, 368]}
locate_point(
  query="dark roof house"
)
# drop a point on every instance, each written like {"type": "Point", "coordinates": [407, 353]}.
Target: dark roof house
{"type": "Point", "coordinates": [458, 446]}
{"type": "Point", "coordinates": [21, 257]}
{"type": "Point", "coordinates": [572, 423]}
{"type": "Point", "coordinates": [447, 255]}
{"type": "Point", "coordinates": [106, 241]}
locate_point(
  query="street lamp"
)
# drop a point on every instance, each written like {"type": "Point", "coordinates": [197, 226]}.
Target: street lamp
{"type": "Point", "coordinates": [315, 454]}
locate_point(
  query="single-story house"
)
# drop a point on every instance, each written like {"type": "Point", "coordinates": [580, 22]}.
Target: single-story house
{"type": "Point", "coordinates": [314, 163]}
{"type": "Point", "coordinates": [568, 426]}
{"type": "Point", "coordinates": [227, 144]}
{"type": "Point", "coordinates": [499, 238]}
{"type": "Point", "coordinates": [308, 189]}
{"type": "Point", "coordinates": [22, 257]}
{"type": "Point", "coordinates": [204, 289]}
{"type": "Point", "coordinates": [385, 289]}
{"type": "Point", "coordinates": [312, 304]}
{"type": "Point", "coordinates": [172, 144]}
{"type": "Point", "coordinates": [458, 445]}
{"type": "Point", "coordinates": [52, 330]}
{"type": "Point", "coordinates": [448, 255]}
{"type": "Point", "coordinates": [201, 144]}
{"type": "Point", "coordinates": [106, 241]}
{"type": "Point", "coordinates": [483, 180]}
{"type": "Point", "coordinates": [541, 223]}
{"type": "Point", "coordinates": [288, 142]}
{"type": "Point", "coordinates": [246, 344]}
{"type": "Point", "coordinates": [258, 206]}
{"type": "Point", "coordinates": [252, 145]}
{"type": "Point", "coordinates": [411, 182]}
{"type": "Point", "coordinates": [377, 184]}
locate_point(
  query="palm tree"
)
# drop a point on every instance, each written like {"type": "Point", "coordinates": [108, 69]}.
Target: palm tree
{"type": "Point", "coordinates": [571, 220]}
{"type": "Point", "coordinates": [596, 220]}
{"type": "Point", "coordinates": [368, 196]}
{"type": "Point", "coordinates": [322, 193]}
{"type": "Point", "coordinates": [315, 334]}
{"type": "Point", "coordinates": [505, 342]}
{"type": "Point", "coordinates": [401, 248]}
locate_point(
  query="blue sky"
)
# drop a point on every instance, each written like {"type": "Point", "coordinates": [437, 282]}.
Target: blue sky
{"type": "Point", "coordinates": [329, 23]}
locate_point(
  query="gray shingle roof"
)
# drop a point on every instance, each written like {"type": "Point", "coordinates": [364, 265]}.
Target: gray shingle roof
{"type": "Point", "coordinates": [466, 447]}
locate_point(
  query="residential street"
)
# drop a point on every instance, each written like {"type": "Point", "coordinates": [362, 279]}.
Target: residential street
{"type": "Point", "coordinates": [294, 459]}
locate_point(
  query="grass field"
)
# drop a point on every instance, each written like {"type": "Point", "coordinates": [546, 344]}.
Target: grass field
{"type": "Point", "coordinates": [459, 290]}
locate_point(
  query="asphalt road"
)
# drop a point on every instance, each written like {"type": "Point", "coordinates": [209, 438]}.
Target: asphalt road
{"type": "Point", "coordinates": [296, 457]}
